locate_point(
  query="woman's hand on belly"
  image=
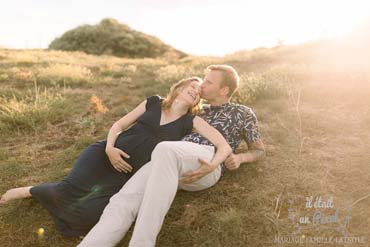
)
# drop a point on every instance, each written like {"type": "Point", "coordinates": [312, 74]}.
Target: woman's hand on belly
{"type": "Point", "coordinates": [115, 157]}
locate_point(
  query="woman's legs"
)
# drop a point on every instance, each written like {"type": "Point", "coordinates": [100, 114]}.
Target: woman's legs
{"type": "Point", "coordinates": [16, 193]}
{"type": "Point", "coordinates": [119, 214]}
{"type": "Point", "coordinates": [79, 169]}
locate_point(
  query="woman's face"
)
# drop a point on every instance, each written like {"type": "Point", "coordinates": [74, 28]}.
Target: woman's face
{"type": "Point", "coordinates": [191, 93]}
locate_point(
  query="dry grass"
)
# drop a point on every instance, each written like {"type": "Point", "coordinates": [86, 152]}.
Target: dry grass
{"type": "Point", "coordinates": [316, 133]}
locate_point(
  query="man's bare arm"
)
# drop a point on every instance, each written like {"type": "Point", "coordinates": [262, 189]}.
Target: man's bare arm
{"type": "Point", "coordinates": [256, 151]}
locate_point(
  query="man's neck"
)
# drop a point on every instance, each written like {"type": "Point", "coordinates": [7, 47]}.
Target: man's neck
{"type": "Point", "coordinates": [218, 102]}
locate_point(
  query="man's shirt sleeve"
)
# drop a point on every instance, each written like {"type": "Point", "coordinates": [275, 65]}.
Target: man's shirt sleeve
{"type": "Point", "coordinates": [250, 130]}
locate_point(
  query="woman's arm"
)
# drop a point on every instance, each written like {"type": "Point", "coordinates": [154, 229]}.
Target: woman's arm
{"type": "Point", "coordinates": [223, 150]}
{"type": "Point", "coordinates": [114, 154]}
{"type": "Point", "coordinates": [209, 132]}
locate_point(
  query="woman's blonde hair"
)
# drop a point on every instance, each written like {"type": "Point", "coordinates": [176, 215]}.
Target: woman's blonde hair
{"type": "Point", "coordinates": [175, 90]}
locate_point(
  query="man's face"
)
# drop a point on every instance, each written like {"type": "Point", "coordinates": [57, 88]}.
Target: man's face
{"type": "Point", "coordinates": [211, 86]}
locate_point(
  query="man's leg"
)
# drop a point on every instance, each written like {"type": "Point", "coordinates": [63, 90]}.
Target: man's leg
{"type": "Point", "coordinates": [119, 214]}
{"type": "Point", "coordinates": [169, 161]}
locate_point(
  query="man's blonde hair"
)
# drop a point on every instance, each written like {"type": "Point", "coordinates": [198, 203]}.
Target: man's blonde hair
{"type": "Point", "coordinates": [230, 77]}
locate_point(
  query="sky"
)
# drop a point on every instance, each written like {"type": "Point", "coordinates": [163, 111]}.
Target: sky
{"type": "Point", "coordinates": [198, 27]}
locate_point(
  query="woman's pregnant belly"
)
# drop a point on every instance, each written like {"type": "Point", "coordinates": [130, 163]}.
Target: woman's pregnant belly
{"type": "Point", "coordinates": [138, 146]}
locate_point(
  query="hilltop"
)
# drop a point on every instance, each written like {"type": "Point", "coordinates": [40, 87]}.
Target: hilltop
{"type": "Point", "coordinates": [110, 37]}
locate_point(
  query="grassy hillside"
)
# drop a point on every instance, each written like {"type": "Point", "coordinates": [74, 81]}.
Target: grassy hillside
{"type": "Point", "coordinates": [314, 116]}
{"type": "Point", "coordinates": [110, 37]}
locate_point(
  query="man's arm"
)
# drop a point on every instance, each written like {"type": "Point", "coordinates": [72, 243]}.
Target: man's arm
{"type": "Point", "coordinates": [256, 151]}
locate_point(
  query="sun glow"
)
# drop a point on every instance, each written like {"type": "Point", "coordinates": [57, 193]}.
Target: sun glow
{"type": "Point", "coordinates": [196, 27]}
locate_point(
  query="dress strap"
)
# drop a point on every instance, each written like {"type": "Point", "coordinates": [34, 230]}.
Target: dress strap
{"type": "Point", "coordinates": [152, 101]}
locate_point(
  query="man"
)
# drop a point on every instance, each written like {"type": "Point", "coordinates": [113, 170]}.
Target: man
{"type": "Point", "coordinates": [150, 192]}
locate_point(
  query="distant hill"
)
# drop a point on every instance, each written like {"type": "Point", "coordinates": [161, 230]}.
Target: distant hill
{"type": "Point", "coordinates": [350, 50]}
{"type": "Point", "coordinates": [110, 37]}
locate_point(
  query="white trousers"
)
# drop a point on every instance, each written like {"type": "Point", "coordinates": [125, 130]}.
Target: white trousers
{"type": "Point", "coordinates": [149, 195]}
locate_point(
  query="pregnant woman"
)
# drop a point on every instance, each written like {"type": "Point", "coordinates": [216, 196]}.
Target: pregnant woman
{"type": "Point", "coordinates": [101, 170]}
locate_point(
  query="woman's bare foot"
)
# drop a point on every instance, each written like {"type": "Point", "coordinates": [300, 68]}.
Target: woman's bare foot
{"type": "Point", "coordinates": [16, 193]}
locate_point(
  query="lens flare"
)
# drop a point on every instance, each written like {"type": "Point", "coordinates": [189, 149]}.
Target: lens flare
{"type": "Point", "coordinates": [96, 188]}
{"type": "Point", "coordinates": [40, 232]}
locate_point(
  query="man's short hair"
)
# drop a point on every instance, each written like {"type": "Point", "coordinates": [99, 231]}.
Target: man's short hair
{"type": "Point", "coordinates": [230, 76]}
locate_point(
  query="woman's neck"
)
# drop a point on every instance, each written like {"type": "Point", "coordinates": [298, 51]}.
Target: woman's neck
{"type": "Point", "coordinates": [178, 108]}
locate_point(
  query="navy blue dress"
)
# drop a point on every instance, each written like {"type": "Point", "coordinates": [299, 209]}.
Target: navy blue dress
{"type": "Point", "coordinates": [77, 202]}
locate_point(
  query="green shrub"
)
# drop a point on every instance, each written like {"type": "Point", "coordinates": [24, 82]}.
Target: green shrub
{"type": "Point", "coordinates": [273, 83]}
{"type": "Point", "coordinates": [112, 38]}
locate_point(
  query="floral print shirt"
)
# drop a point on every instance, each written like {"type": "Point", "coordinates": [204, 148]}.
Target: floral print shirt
{"type": "Point", "coordinates": [234, 121]}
